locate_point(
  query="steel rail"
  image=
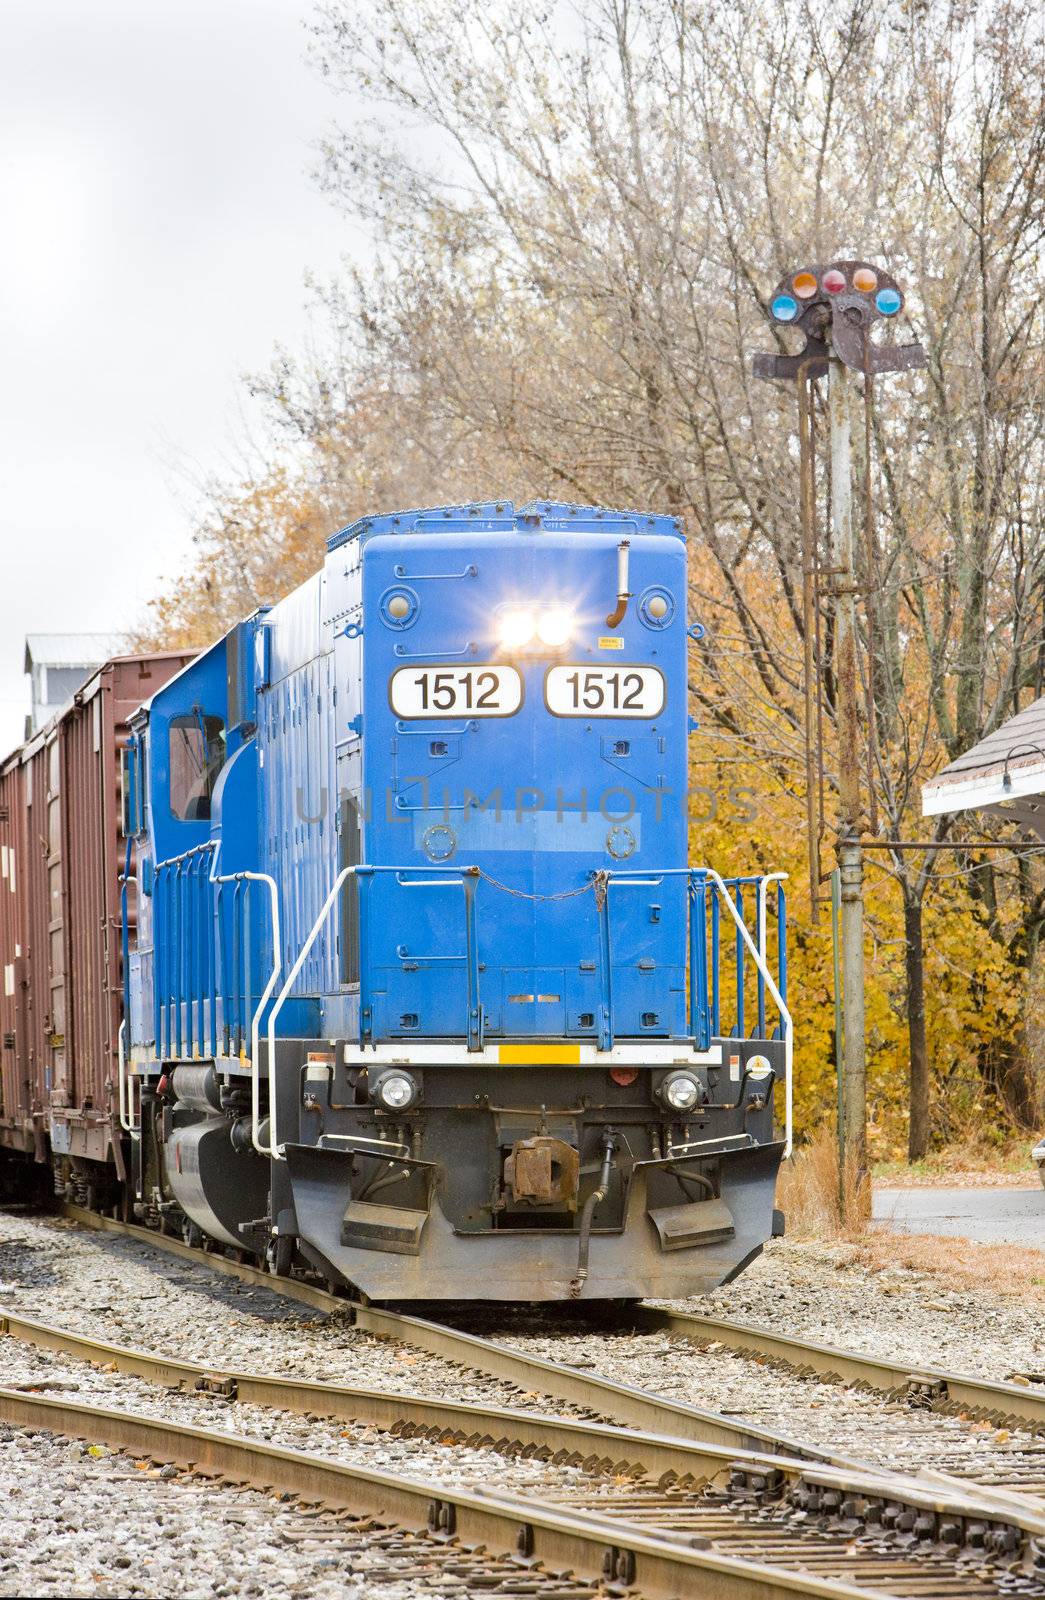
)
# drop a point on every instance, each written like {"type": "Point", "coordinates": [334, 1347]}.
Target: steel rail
{"type": "Point", "coordinates": [557, 1539]}
{"type": "Point", "coordinates": [655, 1416]}
{"type": "Point", "coordinates": [636, 1408]}
{"type": "Point", "coordinates": [1008, 1402]}
{"type": "Point", "coordinates": [570, 1441]}
{"type": "Point", "coordinates": [616, 1449]}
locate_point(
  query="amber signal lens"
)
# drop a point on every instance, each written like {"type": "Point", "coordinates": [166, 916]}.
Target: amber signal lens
{"type": "Point", "coordinates": [865, 280]}
{"type": "Point", "coordinates": [804, 285]}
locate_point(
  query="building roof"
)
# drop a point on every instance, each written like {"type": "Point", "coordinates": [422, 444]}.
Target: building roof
{"type": "Point", "coordinates": [1006, 769]}
{"type": "Point", "coordinates": [73, 649]}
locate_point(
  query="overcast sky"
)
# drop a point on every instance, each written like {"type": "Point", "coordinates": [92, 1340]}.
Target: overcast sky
{"type": "Point", "coordinates": [156, 220]}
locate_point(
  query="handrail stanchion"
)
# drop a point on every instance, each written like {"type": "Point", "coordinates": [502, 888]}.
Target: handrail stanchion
{"type": "Point", "coordinates": [364, 879]}
{"type": "Point", "coordinates": [125, 1105]}
{"type": "Point", "coordinates": [699, 1018]}
{"type": "Point", "coordinates": [716, 997]}
{"type": "Point", "coordinates": [760, 924]}
{"type": "Point", "coordinates": [237, 1039]}
{"type": "Point", "coordinates": [739, 1029]}
{"type": "Point", "coordinates": [602, 906]}
{"type": "Point", "coordinates": [219, 966]}
{"type": "Point", "coordinates": [159, 964]}
{"type": "Point", "coordinates": [778, 1000]}
{"type": "Point", "coordinates": [242, 881]}
{"type": "Point", "coordinates": [469, 881]}
{"type": "Point", "coordinates": [272, 1148]}
{"type": "Point", "coordinates": [763, 940]}
{"type": "Point", "coordinates": [184, 981]}
{"type": "Point", "coordinates": [781, 949]}
{"type": "Point", "coordinates": [196, 936]}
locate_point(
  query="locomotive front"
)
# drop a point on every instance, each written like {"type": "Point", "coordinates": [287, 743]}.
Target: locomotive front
{"type": "Point", "coordinates": [509, 1043]}
{"type": "Point", "coordinates": [522, 1108]}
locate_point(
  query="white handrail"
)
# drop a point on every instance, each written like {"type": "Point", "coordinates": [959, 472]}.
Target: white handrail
{"type": "Point", "coordinates": [126, 1120]}
{"type": "Point", "coordinates": [763, 897]}
{"type": "Point", "coordinates": [266, 994]}
{"type": "Point", "coordinates": [778, 999]}
{"type": "Point", "coordinates": [273, 1145]}
{"type": "Point", "coordinates": [346, 872]}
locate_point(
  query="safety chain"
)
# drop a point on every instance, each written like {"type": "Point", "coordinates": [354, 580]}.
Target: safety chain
{"type": "Point", "coordinates": [565, 894]}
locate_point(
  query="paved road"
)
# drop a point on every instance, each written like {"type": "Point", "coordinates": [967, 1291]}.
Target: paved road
{"type": "Point", "coordinates": [995, 1216]}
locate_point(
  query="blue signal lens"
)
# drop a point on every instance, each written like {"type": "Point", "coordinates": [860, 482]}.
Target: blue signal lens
{"type": "Point", "coordinates": [888, 302]}
{"type": "Point", "coordinates": [784, 308]}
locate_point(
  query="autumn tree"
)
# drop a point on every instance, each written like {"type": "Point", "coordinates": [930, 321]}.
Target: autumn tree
{"type": "Point", "coordinates": [576, 221]}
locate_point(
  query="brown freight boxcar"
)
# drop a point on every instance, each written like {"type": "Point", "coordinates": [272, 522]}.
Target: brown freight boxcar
{"type": "Point", "coordinates": [60, 945]}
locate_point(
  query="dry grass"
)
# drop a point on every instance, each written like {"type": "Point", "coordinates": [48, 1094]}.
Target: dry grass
{"type": "Point", "coordinates": [808, 1192]}
{"type": "Point", "coordinates": [810, 1195]}
{"type": "Point", "coordinates": [999, 1269]}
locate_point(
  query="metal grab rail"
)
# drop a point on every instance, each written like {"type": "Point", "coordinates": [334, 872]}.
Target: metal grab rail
{"type": "Point", "coordinates": [126, 1106]}
{"type": "Point", "coordinates": [174, 949]}
{"type": "Point", "coordinates": [364, 876]}
{"type": "Point", "coordinates": [266, 993]}
{"type": "Point", "coordinates": [189, 972]}
{"type": "Point", "coordinates": [704, 1008]}
{"type": "Point", "coordinates": [778, 999]}
{"type": "Point", "coordinates": [704, 995]}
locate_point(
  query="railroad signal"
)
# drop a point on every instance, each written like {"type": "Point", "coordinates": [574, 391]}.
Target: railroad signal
{"type": "Point", "coordinates": [838, 307]}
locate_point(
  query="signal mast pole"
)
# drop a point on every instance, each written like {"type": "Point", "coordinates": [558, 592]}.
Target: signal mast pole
{"type": "Point", "coordinates": [850, 809]}
{"type": "Point", "coordinates": [836, 307]}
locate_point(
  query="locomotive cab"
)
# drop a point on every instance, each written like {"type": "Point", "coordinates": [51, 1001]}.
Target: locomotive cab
{"type": "Point", "coordinates": [427, 994]}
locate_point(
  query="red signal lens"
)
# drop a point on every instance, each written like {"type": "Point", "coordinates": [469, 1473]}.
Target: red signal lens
{"type": "Point", "coordinates": [804, 285]}
{"type": "Point", "coordinates": [624, 1075]}
{"type": "Point", "coordinates": [834, 281]}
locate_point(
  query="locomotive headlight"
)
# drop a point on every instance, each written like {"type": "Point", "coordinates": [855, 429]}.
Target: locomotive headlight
{"type": "Point", "coordinates": [395, 1090]}
{"type": "Point", "coordinates": [517, 629]}
{"type": "Point", "coordinates": [680, 1091]}
{"type": "Point", "coordinates": [555, 626]}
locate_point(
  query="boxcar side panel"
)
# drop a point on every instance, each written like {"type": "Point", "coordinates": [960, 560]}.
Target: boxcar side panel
{"type": "Point", "coordinates": [15, 1128]}
{"type": "Point", "coordinates": [92, 734]}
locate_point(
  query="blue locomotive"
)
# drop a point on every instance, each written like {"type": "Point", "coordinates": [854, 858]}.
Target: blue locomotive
{"type": "Point", "coordinates": [422, 992]}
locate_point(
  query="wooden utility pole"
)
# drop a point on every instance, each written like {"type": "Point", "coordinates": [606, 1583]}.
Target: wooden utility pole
{"type": "Point", "coordinates": [850, 745]}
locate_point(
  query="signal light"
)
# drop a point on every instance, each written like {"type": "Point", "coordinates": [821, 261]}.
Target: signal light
{"type": "Point", "coordinates": [784, 308]}
{"type": "Point", "coordinates": [865, 280]}
{"type": "Point", "coordinates": [833, 281]}
{"type": "Point", "coordinates": [804, 285]}
{"type": "Point", "coordinates": [888, 302]}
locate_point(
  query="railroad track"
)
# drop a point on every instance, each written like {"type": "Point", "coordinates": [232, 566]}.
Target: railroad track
{"type": "Point", "coordinates": [764, 1526]}
{"type": "Point", "coordinates": [1003, 1405]}
{"type": "Point", "coordinates": [1019, 1401]}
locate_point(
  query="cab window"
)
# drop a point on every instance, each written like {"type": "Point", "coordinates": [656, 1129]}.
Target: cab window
{"type": "Point", "coordinates": [197, 754]}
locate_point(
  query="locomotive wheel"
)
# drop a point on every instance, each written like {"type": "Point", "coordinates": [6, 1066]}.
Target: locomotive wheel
{"type": "Point", "coordinates": [192, 1234]}
{"type": "Point", "coordinates": [283, 1255]}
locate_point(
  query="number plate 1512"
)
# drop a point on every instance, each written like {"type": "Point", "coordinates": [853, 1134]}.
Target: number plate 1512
{"type": "Point", "coordinates": [574, 690]}
{"type": "Point", "coordinates": [455, 692]}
